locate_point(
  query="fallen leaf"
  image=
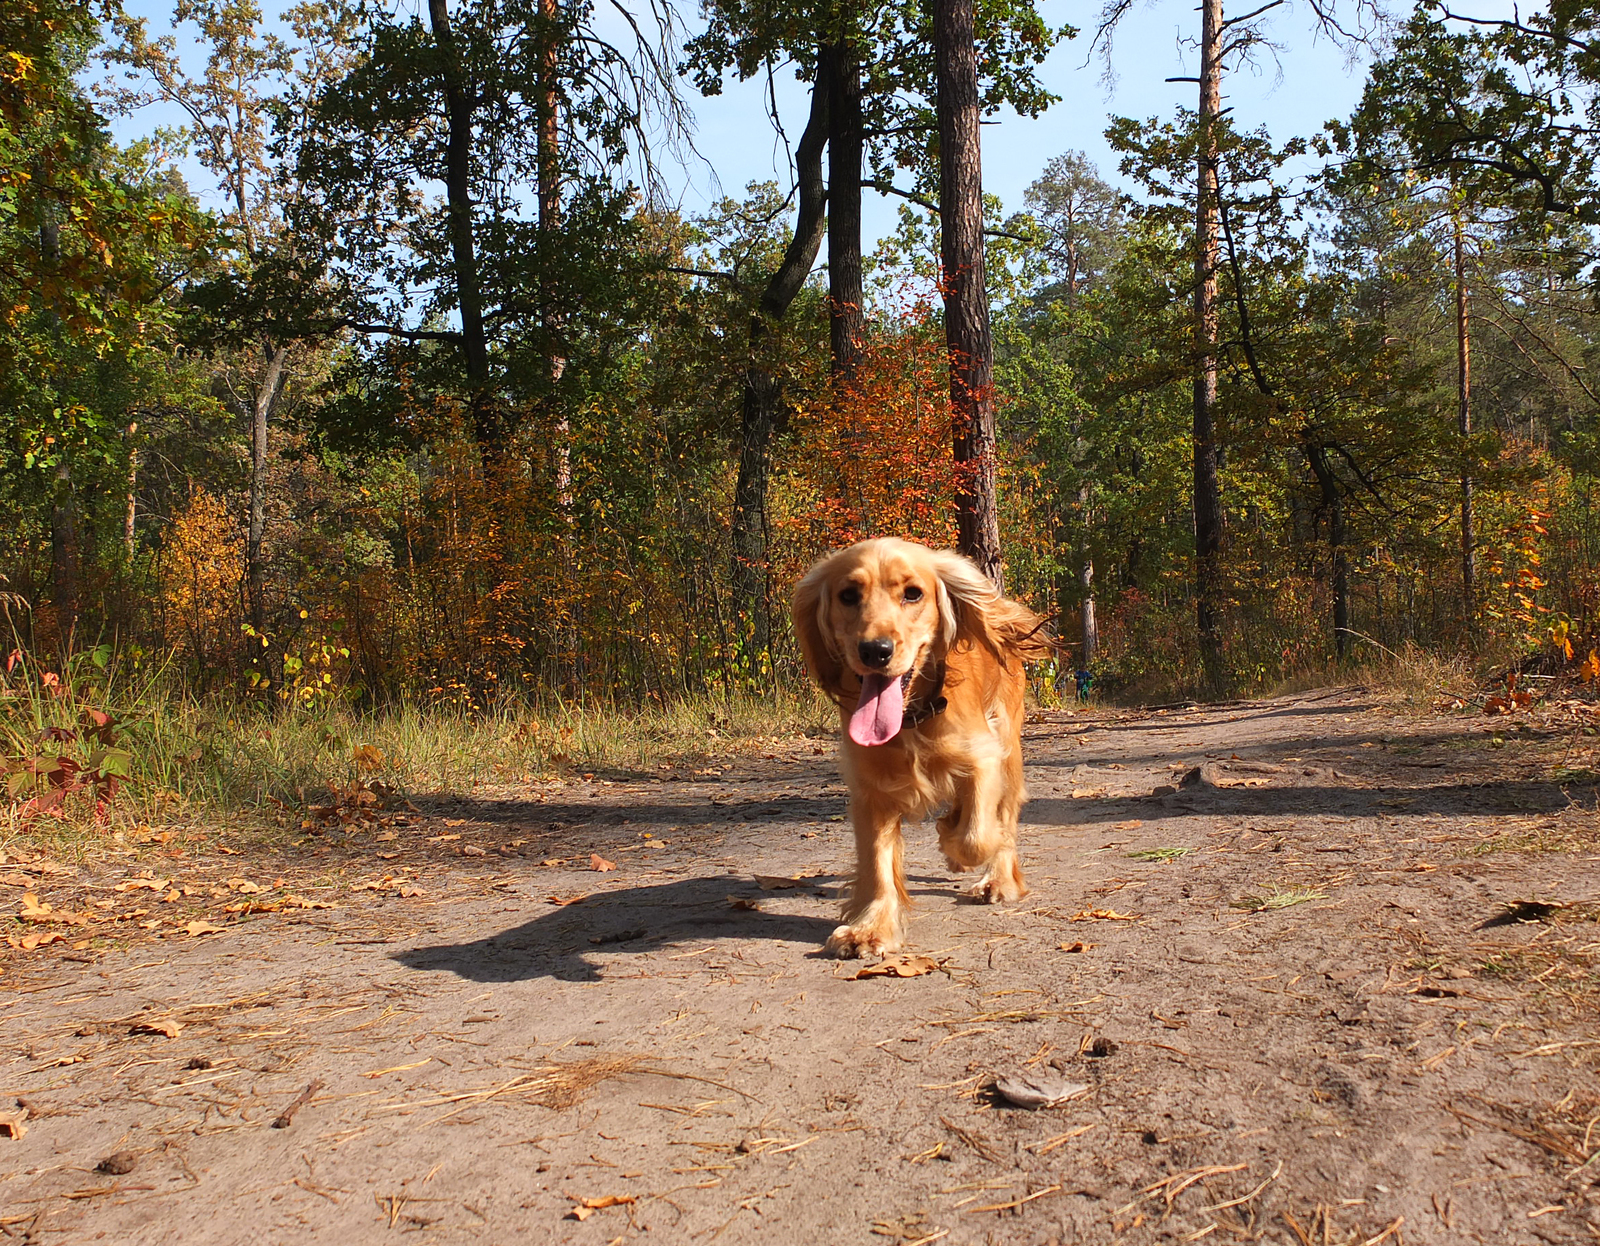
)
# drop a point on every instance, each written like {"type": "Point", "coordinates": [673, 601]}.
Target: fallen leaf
{"type": "Point", "coordinates": [599, 863]}
{"type": "Point", "coordinates": [28, 942]}
{"type": "Point", "coordinates": [144, 884]}
{"type": "Point", "coordinates": [1038, 1090]}
{"type": "Point", "coordinates": [586, 1207]}
{"type": "Point", "coordinates": [198, 928]}
{"type": "Point", "coordinates": [32, 908]}
{"type": "Point", "coordinates": [166, 1027]}
{"type": "Point", "coordinates": [780, 882]}
{"type": "Point", "coordinates": [1087, 793]}
{"type": "Point", "coordinates": [1104, 915]}
{"type": "Point", "coordinates": [1079, 946]}
{"type": "Point", "coordinates": [1132, 824]}
{"type": "Point", "coordinates": [245, 887]}
{"type": "Point", "coordinates": [408, 890]}
{"type": "Point", "coordinates": [12, 1122]}
{"type": "Point", "coordinates": [299, 902]}
{"type": "Point", "coordinates": [567, 900]}
{"type": "Point", "coordinates": [744, 903]}
{"type": "Point", "coordinates": [901, 965]}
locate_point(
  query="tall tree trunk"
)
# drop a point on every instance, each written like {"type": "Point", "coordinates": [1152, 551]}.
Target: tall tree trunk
{"type": "Point", "coordinates": [1333, 506]}
{"type": "Point", "coordinates": [549, 225]}
{"type": "Point", "coordinates": [763, 391]}
{"type": "Point", "coordinates": [131, 509]}
{"type": "Point", "coordinates": [486, 415]}
{"type": "Point", "coordinates": [846, 319]}
{"type": "Point", "coordinates": [1091, 627]}
{"type": "Point", "coordinates": [1469, 551]}
{"type": "Point", "coordinates": [64, 562]}
{"type": "Point", "coordinates": [261, 409]}
{"type": "Point", "coordinates": [966, 299]}
{"type": "Point", "coordinates": [1207, 487]}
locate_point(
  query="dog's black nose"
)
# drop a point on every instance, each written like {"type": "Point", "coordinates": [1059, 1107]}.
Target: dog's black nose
{"type": "Point", "coordinates": [876, 652]}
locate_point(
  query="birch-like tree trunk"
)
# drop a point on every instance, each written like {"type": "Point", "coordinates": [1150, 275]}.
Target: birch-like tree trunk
{"type": "Point", "coordinates": [1208, 520]}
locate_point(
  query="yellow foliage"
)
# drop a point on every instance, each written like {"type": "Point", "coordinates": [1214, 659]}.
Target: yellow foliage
{"type": "Point", "coordinates": [201, 576]}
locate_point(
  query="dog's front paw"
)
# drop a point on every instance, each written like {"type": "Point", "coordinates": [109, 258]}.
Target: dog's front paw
{"type": "Point", "coordinates": [849, 942]}
{"type": "Point", "coordinates": [997, 888]}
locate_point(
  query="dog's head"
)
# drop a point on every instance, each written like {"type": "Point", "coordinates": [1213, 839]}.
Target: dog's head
{"type": "Point", "coordinates": [884, 608]}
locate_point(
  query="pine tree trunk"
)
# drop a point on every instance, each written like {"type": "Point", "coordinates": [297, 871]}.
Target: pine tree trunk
{"type": "Point", "coordinates": [762, 403]}
{"type": "Point", "coordinates": [549, 160]}
{"type": "Point", "coordinates": [966, 299]}
{"type": "Point", "coordinates": [486, 418]}
{"type": "Point", "coordinates": [1208, 520]}
{"type": "Point", "coordinates": [845, 139]}
{"type": "Point", "coordinates": [1469, 552]}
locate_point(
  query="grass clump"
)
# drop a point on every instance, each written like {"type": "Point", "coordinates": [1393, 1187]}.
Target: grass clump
{"type": "Point", "coordinates": [94, 746]}
{"type": "Point", "coordinates": [1277, 898]}
{"type": "Point", "coordinates": [1159, 854]}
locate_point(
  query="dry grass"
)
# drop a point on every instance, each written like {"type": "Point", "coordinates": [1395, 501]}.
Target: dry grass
{"type": "Point", "coordinates": [229, 766]}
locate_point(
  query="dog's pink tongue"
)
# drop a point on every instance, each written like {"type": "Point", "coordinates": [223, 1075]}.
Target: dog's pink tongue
{"type": "Point", "coordinates": [879, 712]}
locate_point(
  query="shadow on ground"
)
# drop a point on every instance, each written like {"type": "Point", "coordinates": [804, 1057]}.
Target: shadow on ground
{"type": "Point", "coordinates": [567, 943]}
{"type": "Point", "coordinates": [1445, 798]}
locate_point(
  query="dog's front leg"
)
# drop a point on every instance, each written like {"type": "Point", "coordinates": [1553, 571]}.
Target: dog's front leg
{"type": "Point", "coordinates": [875, 915]}
{"type": "Point", "coordinates": [981, 829]}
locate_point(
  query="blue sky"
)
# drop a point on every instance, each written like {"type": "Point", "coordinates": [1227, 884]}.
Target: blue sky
{"type": "Point", "coordinates": [1311, 82]}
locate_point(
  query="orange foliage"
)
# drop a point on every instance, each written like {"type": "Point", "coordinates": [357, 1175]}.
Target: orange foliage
{"type": "Point", "coordinates": [872, 454]}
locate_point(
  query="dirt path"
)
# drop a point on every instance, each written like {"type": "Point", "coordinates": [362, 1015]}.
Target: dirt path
{"type": "Point", "coordinates": [1294, 989]}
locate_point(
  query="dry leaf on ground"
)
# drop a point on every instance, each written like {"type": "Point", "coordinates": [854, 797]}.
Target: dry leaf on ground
{"type": "Point", "coordinates": [1038, 1090]}
{"type": "Point", "coordinates": [599, 863]}
{"type": "Point", "coordinates": [901, 965]}
{"type": "Point", "coordinates": [12, 1122]}
{"type": "Point", "coordinates": [743, 902]}
{"type": "Point", "coordinates": [166, 1027]}
{"type": "Point", "coordinates": [1079, 946]}
{"type": "Point", "coordinates": [588, 1206]}
{"type": "Point", "coordinates": [32, 908]}
{"type": "Point", "coordinates": [1103, 915]}
{"type": "Point", "coordinates": [28, 942]}
{"type": "Point", "coordinates": [780, 882]}
{"type": "Point", "coordinates": [198, 928]}
{"type": "Point", "coordinates": [566, 899]}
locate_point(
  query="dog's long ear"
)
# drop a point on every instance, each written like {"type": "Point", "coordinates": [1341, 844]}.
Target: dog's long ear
{"type": "Point", "coordinates": [810, 607]}
{"type": "Point", "coordinates": [970, 609]}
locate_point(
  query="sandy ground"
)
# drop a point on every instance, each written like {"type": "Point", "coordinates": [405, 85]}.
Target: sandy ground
{"type": "Point", "coordinates": [1338, 987]}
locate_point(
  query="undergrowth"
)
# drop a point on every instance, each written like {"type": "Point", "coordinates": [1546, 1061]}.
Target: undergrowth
{"type": "Point", "coordinates": [94, 747]}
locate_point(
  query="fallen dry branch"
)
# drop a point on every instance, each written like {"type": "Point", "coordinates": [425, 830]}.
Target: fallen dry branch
{"type": "Point", "coordinates": [285, 1118]}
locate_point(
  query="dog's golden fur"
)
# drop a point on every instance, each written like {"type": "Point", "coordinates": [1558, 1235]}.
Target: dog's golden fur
{"type": "Point", "coordinates": [940, 612]}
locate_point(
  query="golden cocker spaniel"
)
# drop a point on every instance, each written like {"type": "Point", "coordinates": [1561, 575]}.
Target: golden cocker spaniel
{"type": "Point", "coordinates": [924, 659]}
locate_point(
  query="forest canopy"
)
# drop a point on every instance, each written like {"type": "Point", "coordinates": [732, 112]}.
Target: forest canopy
{"type": "Point", "coordinates": [390, 374]}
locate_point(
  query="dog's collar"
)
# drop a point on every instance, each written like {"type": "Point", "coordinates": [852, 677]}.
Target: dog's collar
{"type": "Point", "coordinates": [931, 703]}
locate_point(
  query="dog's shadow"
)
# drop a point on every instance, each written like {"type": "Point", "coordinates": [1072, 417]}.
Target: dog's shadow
{"type": "Point", "coordinates": [572, 942]}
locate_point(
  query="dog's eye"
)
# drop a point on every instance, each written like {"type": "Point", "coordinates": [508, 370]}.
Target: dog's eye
{"type": "Point", "coordinates": [850, 596]}
{"type": "Point", "coordinates": [913, 593]}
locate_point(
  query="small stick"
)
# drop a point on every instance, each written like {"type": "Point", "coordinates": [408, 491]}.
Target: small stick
{"type": "Point", "coordinates": [285, 1118]}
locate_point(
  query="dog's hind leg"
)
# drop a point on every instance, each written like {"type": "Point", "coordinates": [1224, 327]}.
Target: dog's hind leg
{"type": "Point", "coordinates": [875, 916]}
